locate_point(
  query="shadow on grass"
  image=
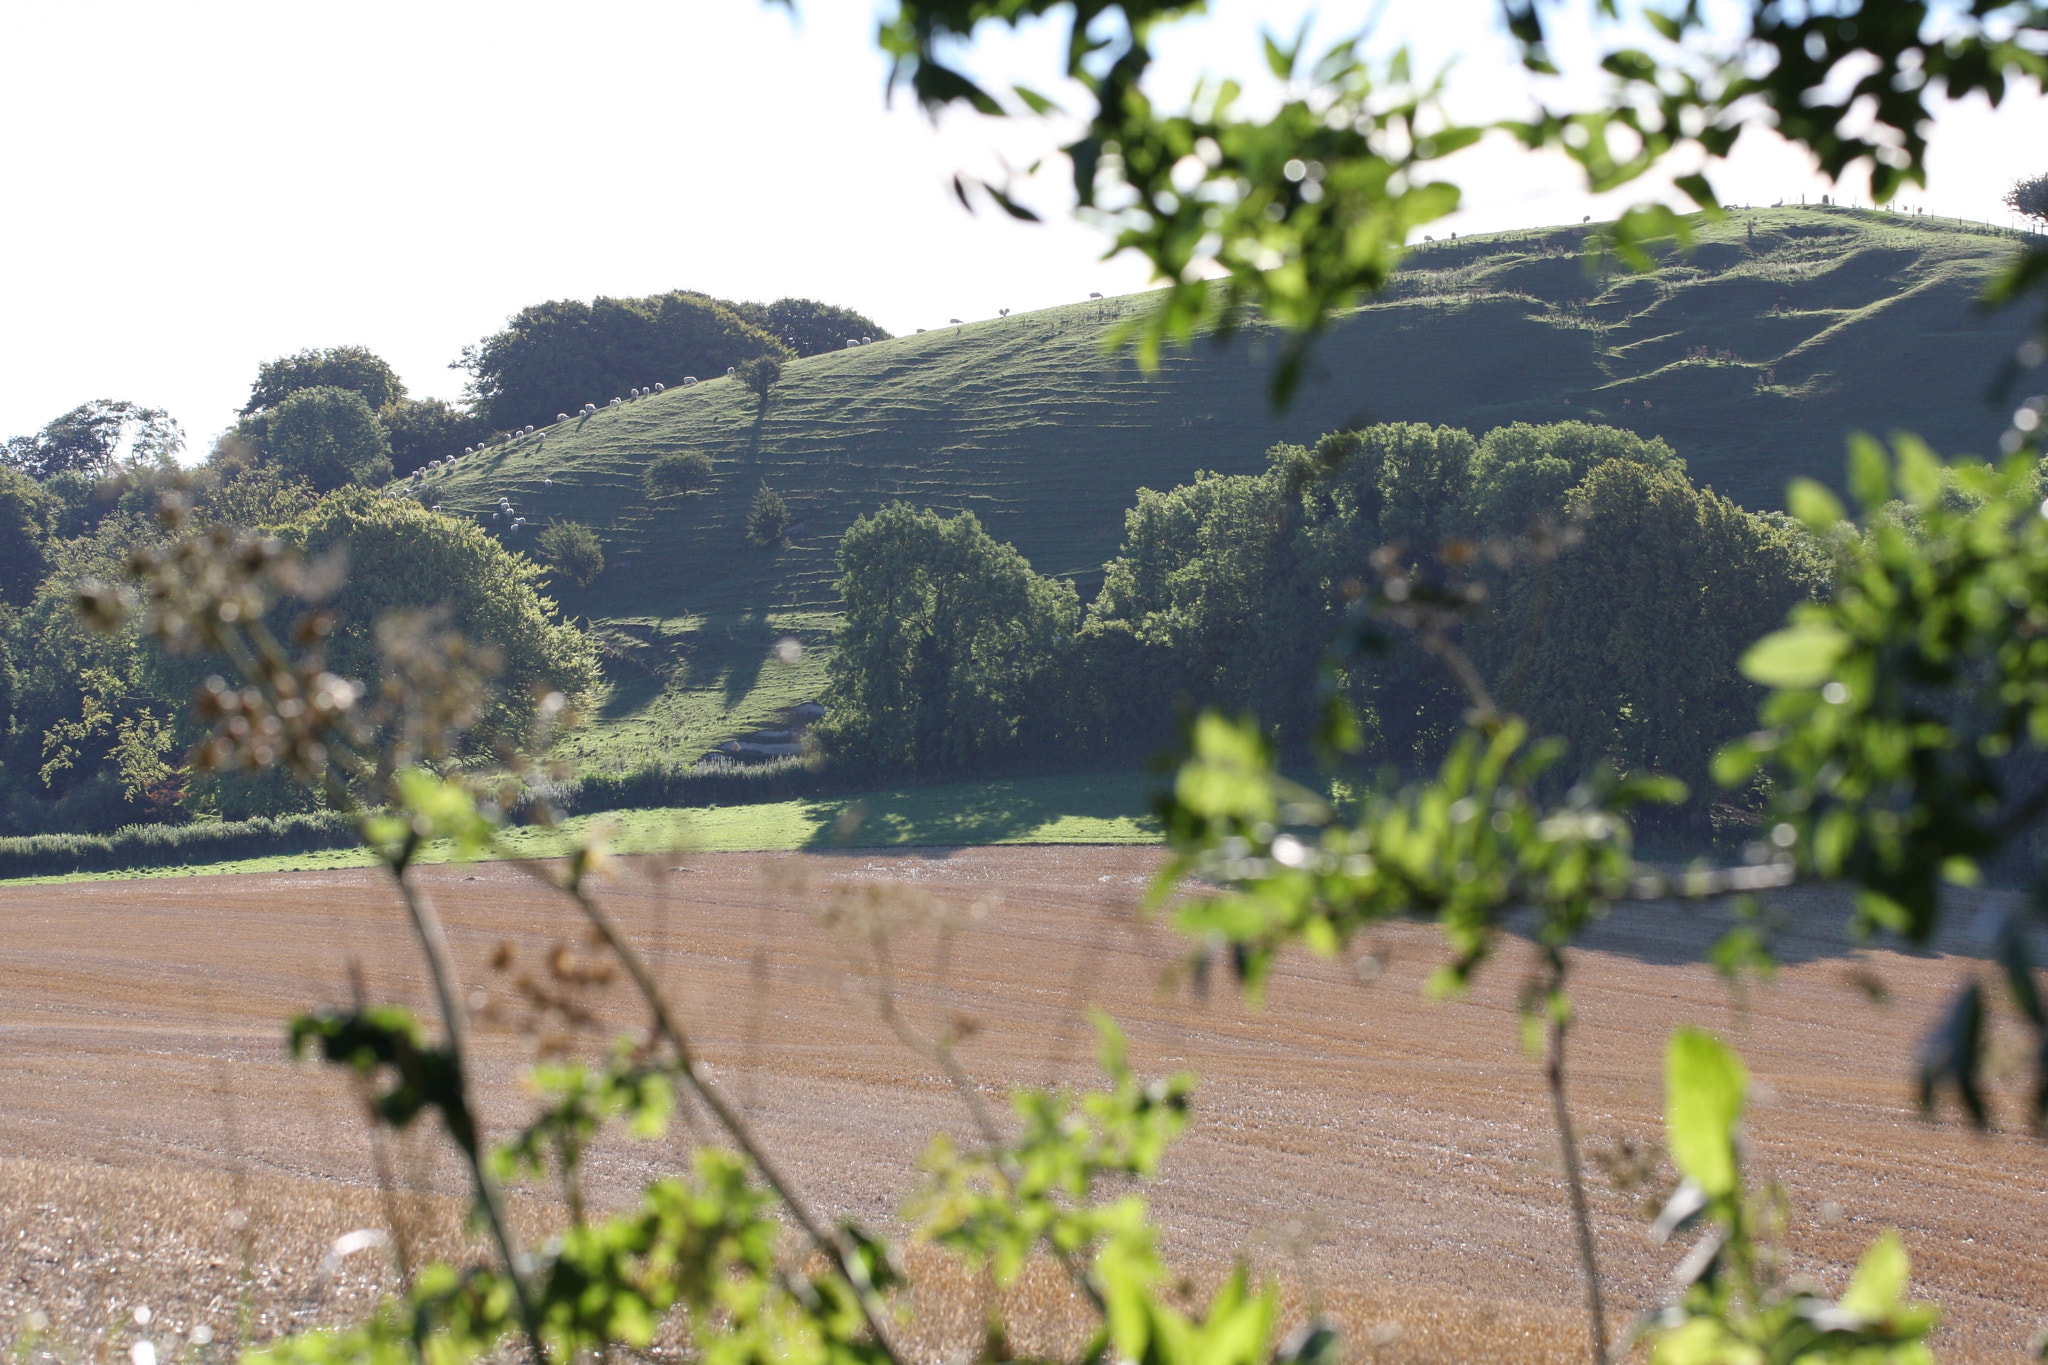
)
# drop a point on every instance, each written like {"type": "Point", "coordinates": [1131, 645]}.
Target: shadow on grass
{"type": "Point", "coordinates": [983, 813]}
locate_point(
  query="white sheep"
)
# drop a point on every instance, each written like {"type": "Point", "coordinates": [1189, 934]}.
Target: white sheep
{"type": "Point", "coordinates": [851, 343]}
{"type": "Point", "coordinates": [529, 428]}
{"type": "Point", "coordinates": [615, 402]}
{"type": "Point", "coordinates": [465, 450]}
{"type": "Point", "coordinates": [633, 392]}
{"type": "Point", "coordinates": [661, 388]}
{"type": "Point", "coordinates": [561, 417]}
{"type": "Point", "coordinates": [688, 380]}
{"type": "Point", "coordinates": [731, 370]}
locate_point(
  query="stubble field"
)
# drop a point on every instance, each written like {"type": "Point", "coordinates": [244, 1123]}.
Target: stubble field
{"type": "Point", "coordinates": [1385, 1156]}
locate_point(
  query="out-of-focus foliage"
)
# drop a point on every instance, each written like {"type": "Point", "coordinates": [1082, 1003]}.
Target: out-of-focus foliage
{"type": "Point", "coordinates": [1736, 1303]}
{"type": "Point", "coordinates": [1905, 730]}
{"type": "Point", "coordinates": [948, 646]}
{"type": "Point", "coordinates": [557, 356]}
{"type": "Point", "coordinates": [327, 437]}
{"type": "Point", "coordinates": [354, 368]}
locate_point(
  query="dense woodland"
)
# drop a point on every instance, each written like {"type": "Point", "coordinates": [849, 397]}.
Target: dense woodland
{"type": "Point", "coordinates": [1616, 597]}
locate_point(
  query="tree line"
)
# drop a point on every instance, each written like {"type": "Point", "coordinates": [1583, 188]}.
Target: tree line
{"type": "Point", "coordinates": [1613, 597]}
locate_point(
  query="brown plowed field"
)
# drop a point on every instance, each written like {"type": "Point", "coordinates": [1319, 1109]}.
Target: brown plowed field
{"type": "Point", "coordinates": [1389, 1155]}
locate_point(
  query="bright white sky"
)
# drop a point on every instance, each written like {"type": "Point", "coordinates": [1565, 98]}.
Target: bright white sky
{"type": "Point", "coordinates": [192, 189]}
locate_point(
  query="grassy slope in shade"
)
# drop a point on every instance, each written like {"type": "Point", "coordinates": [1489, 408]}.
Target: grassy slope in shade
{"type": "Point", "coordinates": [1079, 809]}
{"type": "Point", "coordinates": [1752, 355]}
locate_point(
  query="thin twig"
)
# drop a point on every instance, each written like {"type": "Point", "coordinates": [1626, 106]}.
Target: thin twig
{"type": "Point", "coordinates": [434, 947]}
{"type": "Point", "coordinates": [1582, 1222]}
{"type": "Point", "coordinates": [941, 1055]}
{"type": "Point", "coordinates": [855, 1276]}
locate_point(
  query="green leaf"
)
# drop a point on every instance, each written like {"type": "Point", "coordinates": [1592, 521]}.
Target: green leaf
{"type": "Point", "coordinates": [1813, 504]}
{"type": "Point", "coordinates": [1870, 472]}
{"type": "Point", "coordinates": [1878, 1288]}
{"type": "Point", "coordinates": [1704, 1086]}
{"type": "Point", "coordinates": [1804, 655]}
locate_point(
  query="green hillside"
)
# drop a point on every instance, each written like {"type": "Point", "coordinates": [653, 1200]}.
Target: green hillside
{"type": "Point", "coordinates": [1752, 354]}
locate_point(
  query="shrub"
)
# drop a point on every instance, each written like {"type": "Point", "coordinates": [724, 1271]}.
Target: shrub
{"type": "Point", "coordinates": [768, 518]}
{"type": "Point", "coordinates": [678, 472]}
{"type": "Point", "coordinates": [574, 551]}
{"type": "Point", "coordinates": [44, 855]}
{"type": "Point", "coordinates": [760, 374]}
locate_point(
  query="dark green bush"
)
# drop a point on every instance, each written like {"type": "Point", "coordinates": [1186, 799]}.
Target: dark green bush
{"type": "Point", "coordinates": [678, 472]}
{"type": "Point", "coordinates": [574, 551]}
{"type": "Point", "coordinates": [768, 518]}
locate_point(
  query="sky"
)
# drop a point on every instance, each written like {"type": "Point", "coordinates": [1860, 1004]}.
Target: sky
{"type": "Point", "coordinates": [192, 189]}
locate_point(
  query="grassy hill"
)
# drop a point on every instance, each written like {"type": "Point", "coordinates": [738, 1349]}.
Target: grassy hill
{"type": "Point", "coordinates": [1752, 354]}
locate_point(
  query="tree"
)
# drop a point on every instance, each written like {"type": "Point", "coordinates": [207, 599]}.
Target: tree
{"type": "Point", "coordinates": [328, 437]}
{"type": "Point", "coordinates": [402, 558]}
{"type": "Point", "coordinates": [423, 430]}
{"type": "Point", "coordinates": [574, 550]}
{"type": "Point", "coordinates": [556, 356]}
{"type": "Point", "coordinates": [1627, 644]}
{"type": "Point", "coordinates": [677, 472]}
{"type": "Point", "coordinates": [808, 327]}
{"type": "Point", "coordinates": [952, 647]}
{"type": "Point", "coordinates": [92, 438]}
{"type": "Point", "coordinates": [338, 367]}
{"type": "Point", "coordinates": [768, 517]}
{"type": "Point", "coordinates": [760, 375]}
{"type": "Point", "coordinates": [2029, 197]}
{"type": "Point", "coordinates": [26, 514]}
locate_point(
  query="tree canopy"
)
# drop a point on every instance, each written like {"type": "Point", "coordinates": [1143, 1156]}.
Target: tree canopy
{"type": "Point", "coordinates": [92, 438]}
{"type": "Point", "coordinates": [354, 368]}
{"type": "Point", "coordinates": [808, 327]}
{"type": "Point", "coordinates": [328, 437]}
{"type": "Point", "coordinates": [402, 558]}
{"type": "Point", "coordinates": [948, 645]}
{"type": "Point", "coordinates": [556, 356]}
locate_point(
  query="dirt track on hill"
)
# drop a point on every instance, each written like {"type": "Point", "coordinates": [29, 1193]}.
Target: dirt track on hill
{"type": "Point", "coordinates": [1390, 1154]}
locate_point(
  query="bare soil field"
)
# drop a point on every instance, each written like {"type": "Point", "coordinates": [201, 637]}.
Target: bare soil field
{"type": "Point", "coordinates": [1388, 1157]}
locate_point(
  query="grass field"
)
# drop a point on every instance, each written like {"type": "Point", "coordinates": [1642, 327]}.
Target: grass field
{"type": "Point", "coordinates": [1753, 354]}
{"type": "Point", "coordinates": [1085, 808]}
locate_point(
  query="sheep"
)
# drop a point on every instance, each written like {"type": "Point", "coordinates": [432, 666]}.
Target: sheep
{"type": "Point", "coordinates": [465, 450]}
{"type": "Point", "coordinates": [529, 428]}
{"type": "Point", "coordinates": [731, 370]}
{"type": "Point", "coordinates": [688, 380]}
{"type": "Point", "coordinates": [661, 388]}
{"type": "Point", "coordinates": [1096, 295]}
{"type": "Point", "coordinates": [954, 321]}
{"type": "Point", "coordinates": [851, 343]}
{"type": "Point", "coordinates": [615, 402]}
{"type": "Point", "coordinates": [633, 392]}
{"type": "Point", "coordinates": [561, 417]}
{"type": "Point", "coordinates": [920, 331]}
